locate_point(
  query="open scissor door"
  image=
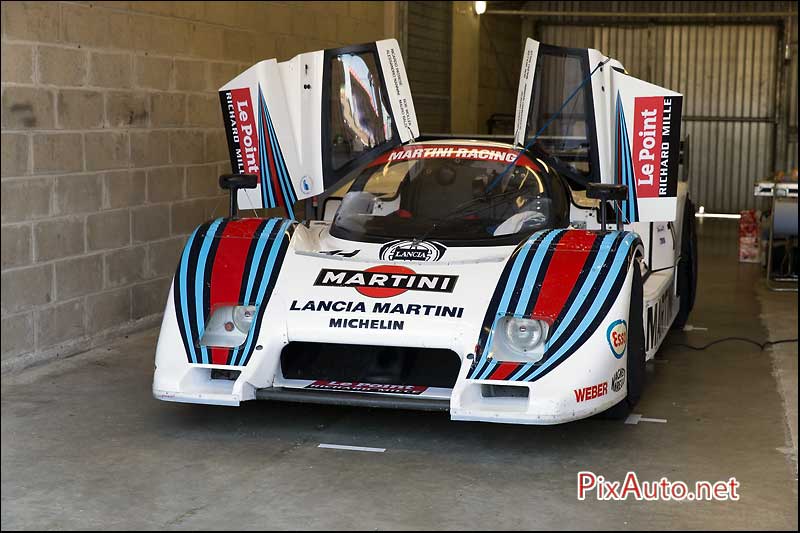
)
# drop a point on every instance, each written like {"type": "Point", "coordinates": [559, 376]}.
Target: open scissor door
{"type": "Point", "coordinates": [304, 124]}
{"type": "Point", "coordinates": [614, 128]}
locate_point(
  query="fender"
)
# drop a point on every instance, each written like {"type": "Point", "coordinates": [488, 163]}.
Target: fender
{"type": "Point", "coordinates": [568, 278]}
{"type": "Point", "coordinates": [227, 262]}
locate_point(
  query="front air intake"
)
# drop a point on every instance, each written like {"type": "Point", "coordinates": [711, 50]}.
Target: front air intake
{"type": "Point", "coordinates": [428, 367]}
{"type": "Point", "coordinates": [504, 391]}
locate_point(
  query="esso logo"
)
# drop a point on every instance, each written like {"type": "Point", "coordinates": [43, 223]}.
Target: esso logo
{"type": "Point", "coordinates": [618, 338]}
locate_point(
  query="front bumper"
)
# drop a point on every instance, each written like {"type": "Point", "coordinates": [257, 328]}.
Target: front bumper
{"type": "Point", "coordinates": [554, 398]}
{"type": "Point", "coordinates": [551, 400]}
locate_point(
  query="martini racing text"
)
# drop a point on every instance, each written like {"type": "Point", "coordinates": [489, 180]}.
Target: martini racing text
{"type": "Point", "coordinates": [450, 152]}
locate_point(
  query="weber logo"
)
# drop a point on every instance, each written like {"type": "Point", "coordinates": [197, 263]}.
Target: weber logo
{"type": "Point", "coordinates": [590, 393]}
{"type": "Point", "coordinates": [412, 251]}
{"type": "Point", "coordinates": [385, 281]}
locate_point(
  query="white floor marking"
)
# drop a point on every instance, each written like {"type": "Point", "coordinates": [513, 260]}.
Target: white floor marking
{"type": "Point", "coordinates": [351, 448]}
{"type": "Point", "coordinates": [634, 419]}
{"type": "Point", "coordinates": [690, 327]}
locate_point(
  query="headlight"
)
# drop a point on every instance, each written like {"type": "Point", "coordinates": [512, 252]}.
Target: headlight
{"type": "Point", "coordinates": [243, 316]}
{"type": "Point", "coordinates": [519, 339]}
{"type": "Point", "coordinates": [228, 326]}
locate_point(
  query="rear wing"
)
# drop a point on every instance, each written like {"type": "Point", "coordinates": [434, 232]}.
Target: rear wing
{"type": "Point", "coordinates": [615, 129]}
{"type": "Point", "coordinates": [304, 124]}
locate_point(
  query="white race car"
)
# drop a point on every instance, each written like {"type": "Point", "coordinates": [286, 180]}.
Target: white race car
{"type": "Point", "coordinates": [464, 275]}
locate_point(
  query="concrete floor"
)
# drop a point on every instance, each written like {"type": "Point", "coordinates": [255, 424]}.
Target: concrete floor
{"type": "Point", "coordinates": [85, 446]}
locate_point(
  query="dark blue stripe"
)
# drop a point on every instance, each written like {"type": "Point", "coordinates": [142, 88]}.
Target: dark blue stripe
{"type": "Point", "coordinates": [601, 298]}
{"type": "Point", "coordinates": [269, 271]}
{"type": "Point", "coordinates": [267, 195]}
{"type": "Point", "coordinates": [287, 190]}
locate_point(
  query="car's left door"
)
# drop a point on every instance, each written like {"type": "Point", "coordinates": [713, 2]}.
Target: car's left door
{"type": "Point", "coordinates": [303, 125]}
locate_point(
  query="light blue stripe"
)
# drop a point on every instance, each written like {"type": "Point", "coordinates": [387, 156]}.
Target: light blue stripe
{"type": "Point", "coordinates": [282, 176]}
{"type": "Point", "coordinates": [182, 289]}
{"type": "Point", "coordinates": [629, 170]}
{"type": "Point", "coordinates": [488, 370]}
{"type": "Point", "coordinates": [518, 374]}
{"type": "Point", "coordinates": [273, 253]}
{"type": "Point", "coordinates": [533, 271]}
{"type": "Point", "coordinates": [621, 164]}
{"type": "Point", "coordinates": [280, 164]}
{"type": "Point", "coordinates": [273, 202]}
{"type": "Point", "coordinates": [509, 289]}
{"type": "Point", "coordinates": [284, 182]}
{"type": "Point", "coordinates": [530, 279]}
{"type": "Point", "coordinates": [623, 153]}
{"type": "Point", "coordinates": [619, 260]}
{"type": "Point", "coordinates": [626, 150]}
{"type": "Point", "coordinates": [200, 281]}
{"type": "Point", "coordinates": [262, 242]}
{"type": "Point", "coordinates": [273, 140]}
{"type": "Point", "coordinates": [486, 351]}
{"type": "Point", "coordinates": [511, 283]}
{"type": "Point", "coordinates": [267, 197]}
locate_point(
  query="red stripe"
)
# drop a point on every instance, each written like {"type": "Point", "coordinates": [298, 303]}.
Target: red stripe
{"type": "Point", "coordinates": [504, 370]}
{"type": "Point", "coordinates": [562, 273]}
{"type": "Point", "coordinates": [278, 192]}
{"type": "Point", "coordinates": [228, 270]}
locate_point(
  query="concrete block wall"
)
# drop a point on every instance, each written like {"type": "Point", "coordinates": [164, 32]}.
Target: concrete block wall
{"type": "Point", "coordinates": [112, 145]}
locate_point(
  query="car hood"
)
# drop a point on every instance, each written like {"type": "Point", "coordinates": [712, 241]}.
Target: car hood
{"type": "Point", "coordinates": [396, 293]}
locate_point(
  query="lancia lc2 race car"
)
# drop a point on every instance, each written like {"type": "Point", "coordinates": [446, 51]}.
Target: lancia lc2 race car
{"type": "Point", "coordinates": [525, 281]}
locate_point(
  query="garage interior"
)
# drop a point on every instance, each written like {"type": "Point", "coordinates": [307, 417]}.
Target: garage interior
{"type": "Point", "coordinates": [112, 145]}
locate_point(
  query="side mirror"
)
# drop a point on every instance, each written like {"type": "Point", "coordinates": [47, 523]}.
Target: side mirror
{"type": "Point", "coordinates": [606, 192]}
{"type": "Point", "coordinates": [234, 182]}
{"type": "Point", "coordinates": [329, 207]}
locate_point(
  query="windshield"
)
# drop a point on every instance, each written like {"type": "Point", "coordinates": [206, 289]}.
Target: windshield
{"type": "Point", "coordinates": [450, 193]}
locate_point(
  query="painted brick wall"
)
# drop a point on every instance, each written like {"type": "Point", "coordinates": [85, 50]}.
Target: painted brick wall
{"type": "Point", "coordinates": [112, 145]}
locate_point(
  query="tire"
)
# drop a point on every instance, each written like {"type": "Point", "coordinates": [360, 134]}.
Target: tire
{"type": "Point", "coordinates": [635, 369]}
{"type": "Point", "coordinates": [687, 267]}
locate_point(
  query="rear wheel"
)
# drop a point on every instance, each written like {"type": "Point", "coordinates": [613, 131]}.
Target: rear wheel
{"type": "Point", "coordinates": [635, 368]}
{"type": "Point", "coordinates": [687, 267]}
